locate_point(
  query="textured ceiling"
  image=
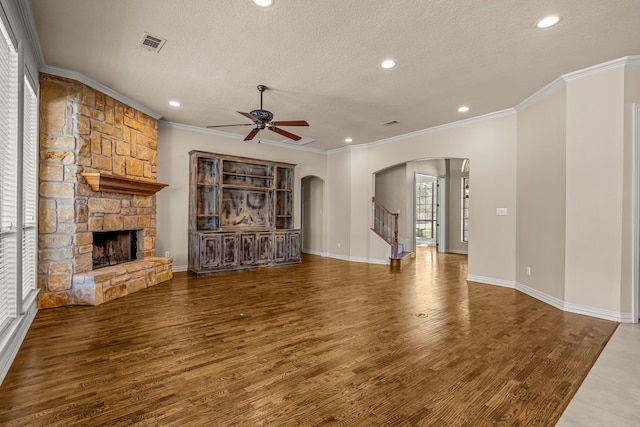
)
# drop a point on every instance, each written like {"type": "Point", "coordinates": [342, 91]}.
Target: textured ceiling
{"type": "Point", "coordinates": [320, 58]}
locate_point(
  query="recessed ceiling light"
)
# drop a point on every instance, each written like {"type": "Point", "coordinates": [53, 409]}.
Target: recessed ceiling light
{"type": "Point", "coordinates": [463, 109]}
{"type": "Point", "coordinates": [174, 103]}
{"type": "Point", "coordinates": [388, 63]}
{"type": "Point", "coordinates": [348, 140]}
{"type": "Point", "coordinates": [263, 3]}
{"type": "Point", "coordinates": [548, 21]}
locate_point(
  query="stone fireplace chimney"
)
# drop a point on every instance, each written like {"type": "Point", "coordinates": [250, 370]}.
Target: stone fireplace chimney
{"type": "Point", "coordinates": [83, 130]}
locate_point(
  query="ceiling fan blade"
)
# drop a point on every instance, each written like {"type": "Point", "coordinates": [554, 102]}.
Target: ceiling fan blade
{"type": "Point", "coordinates": [224, 126]}
{"type": "Point", "coordinates": [248, 116]}
{"type": "Point", "coordinates": [291, 123]}
{"type": "Point", "coordinates": [285, 133]}
{"type": "Point", "coordinates": [252, 134]}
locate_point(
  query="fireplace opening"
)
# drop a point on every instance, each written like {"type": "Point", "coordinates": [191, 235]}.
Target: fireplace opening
{"type": "Point", "coordinates": [114, 247]}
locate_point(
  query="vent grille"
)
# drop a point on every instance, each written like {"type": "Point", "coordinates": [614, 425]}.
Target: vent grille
{"type": "Point", "coordinates": [392, 122]}
{"type": "Point", "coordinates": [152, 43]}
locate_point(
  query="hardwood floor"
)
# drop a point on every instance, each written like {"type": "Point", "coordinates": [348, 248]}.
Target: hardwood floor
{"type": "Point", "coordinates": [326, 342]}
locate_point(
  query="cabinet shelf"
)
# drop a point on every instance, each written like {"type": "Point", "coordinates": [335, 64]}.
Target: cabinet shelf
{"type": "Point", "coordinates": [248, 175]}
{"type": "Point", "coordinates": [245, 187]}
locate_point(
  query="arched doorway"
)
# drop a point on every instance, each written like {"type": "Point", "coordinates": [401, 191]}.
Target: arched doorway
{"type": "Point", "coordinates": [312, 215]}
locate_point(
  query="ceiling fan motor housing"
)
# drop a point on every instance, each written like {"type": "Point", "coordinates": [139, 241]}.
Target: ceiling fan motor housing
{"type": "Point", "coordinates": [262, 115]}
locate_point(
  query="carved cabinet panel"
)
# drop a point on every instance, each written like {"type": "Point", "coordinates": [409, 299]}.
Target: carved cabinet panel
{"type": "Point", "coordinates": [293, 246]}
{"type": "Point", "coordinates": [280, 247]}
{"type": "Point", "coordinates": [264, 252]}
{"type": "Point", "coordinates": [229, 252]}
{"type": "Point", "coordinates": [210, 250]}
{"type": "Point", "coordinates": [247, 249]}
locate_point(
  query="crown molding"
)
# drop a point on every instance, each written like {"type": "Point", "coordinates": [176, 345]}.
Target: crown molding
{"type": "Point", "coordinates": [585, 72]}
{"type": "Point", "coordinates": [74, 75]}
{"type": "Point", "coordinates": [464, 122]}
{"type": "Point", "coordinates": [540, 93]}
{"type": "Point", "coordinates": [599, 68]}
{"type": "Point", "coordinates": [239, 137]}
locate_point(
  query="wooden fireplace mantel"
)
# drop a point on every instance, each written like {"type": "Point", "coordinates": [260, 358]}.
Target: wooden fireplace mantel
{"type": "Point", "coordinates": [119, 184]}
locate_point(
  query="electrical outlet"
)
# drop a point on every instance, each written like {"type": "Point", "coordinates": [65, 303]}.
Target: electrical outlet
{"type": "Point", "coordinates": [167, 254]}
{"type": "Point", "coordinates": [528, 271]}
{"type": "Point", "coordinates": [339, 245]}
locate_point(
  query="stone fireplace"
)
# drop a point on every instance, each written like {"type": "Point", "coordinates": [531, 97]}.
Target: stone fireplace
{"type": "Point", "coordinates": [86, 134]}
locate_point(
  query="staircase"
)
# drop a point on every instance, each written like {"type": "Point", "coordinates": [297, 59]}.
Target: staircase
{"type": "Point", "coordinates": [385, 225]}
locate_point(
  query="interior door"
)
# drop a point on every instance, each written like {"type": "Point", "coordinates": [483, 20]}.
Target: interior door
{"type": "Point", "coordinates": [426, 207]}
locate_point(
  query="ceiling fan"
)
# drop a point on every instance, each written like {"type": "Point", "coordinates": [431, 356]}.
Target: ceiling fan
{"type": "Point", "coordinates": [263, 119]}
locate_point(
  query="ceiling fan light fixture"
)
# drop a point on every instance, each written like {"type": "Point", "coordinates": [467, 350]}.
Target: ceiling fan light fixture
{"type": "Point", "coordinates": [388, 63]}
{"type": "Point", "coordinates": [263, 3]}
{"type": "Point", "coordinates": [547, 22]}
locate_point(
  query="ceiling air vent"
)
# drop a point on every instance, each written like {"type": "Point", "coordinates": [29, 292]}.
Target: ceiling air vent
{"type": "Point", "coordinates": [152, 43]}
{"type": "Point", "coordinates": [392, 122]}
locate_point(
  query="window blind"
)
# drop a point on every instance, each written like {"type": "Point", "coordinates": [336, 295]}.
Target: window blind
{"type": "Point", "coordinates": [29, 187]}
{"type": "Point", "coordinates": [8, 178]}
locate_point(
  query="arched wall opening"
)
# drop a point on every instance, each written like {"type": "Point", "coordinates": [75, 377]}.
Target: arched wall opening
{"type": "Point", "coordinates": [396, 188]}
{"type": "Point", "coordinates": [312, 222]}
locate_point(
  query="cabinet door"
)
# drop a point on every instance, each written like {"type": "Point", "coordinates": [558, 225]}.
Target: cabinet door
{"type": "Point", "coordinates": [293, 246]}
{"type": "Point", "coordinates": [264, 248]}
{"type": "Point", "coordinates": [280, 250]}
{"type": "Point", "coordinates": [210, 250]}
{"type": "Point", "coordinates": [247, 249]}
{"type": "Point", "coordinates": [229, 254]}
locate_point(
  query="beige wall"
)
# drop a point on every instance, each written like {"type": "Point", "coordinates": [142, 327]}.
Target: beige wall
{"type": "Point", "coordinates": [594, 197]}
{"type": "Point", "coordinates": [490, 143]}
{"type": "Point", "coordinates": [174, 144]}
{"type": "Point", "coordinates": [338, 196]}
{"type": "Point", "coordinates": [390, 187]}
{"type": "Point", "coordinates": [541, 192]}
{"type": "Point", "coordinates": [632, 97]}
{"type": "Point", "coordinates": [394, 191]}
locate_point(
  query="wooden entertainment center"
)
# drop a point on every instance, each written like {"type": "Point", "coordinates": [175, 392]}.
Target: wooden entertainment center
{"type": "Point", "coordinates": [240, 213]}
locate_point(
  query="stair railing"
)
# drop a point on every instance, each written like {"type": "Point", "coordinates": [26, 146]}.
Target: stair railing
{"type": "Point", "coordinates": [385, 225]}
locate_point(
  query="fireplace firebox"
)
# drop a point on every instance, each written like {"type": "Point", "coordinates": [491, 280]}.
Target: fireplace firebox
{"type": "Point", "coordinates": [114, 247]}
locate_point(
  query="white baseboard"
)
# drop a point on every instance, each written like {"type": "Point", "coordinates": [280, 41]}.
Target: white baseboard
{"type": "Point", "coordinates": [556, 302]}
{"type": "Point", "coordinates": [179, 268]}
{"type": "Point", "coordinates": [570, 307]}
{"type": "Point", "coordinates": [457, 251]}
{"type": "Point", "coordinates": [541, 296]}
{"type": "Point", "coordinates": [359, 259]}
{"type": "Point", "coordinates": [313, 252]}
{"type": "Point", "coordinates": [12, 338]}
{"type": "Point", "coordinates": [491, 281]}
{"type": "Point", "coordinates": [600, 313]}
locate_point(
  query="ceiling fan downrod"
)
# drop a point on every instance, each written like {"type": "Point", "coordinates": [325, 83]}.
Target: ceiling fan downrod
{"type": "Point", "coordinates": [261, 88]}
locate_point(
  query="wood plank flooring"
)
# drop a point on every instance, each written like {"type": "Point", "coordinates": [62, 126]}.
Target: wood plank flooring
{"type": "Point", "coordinates": [326, 342]}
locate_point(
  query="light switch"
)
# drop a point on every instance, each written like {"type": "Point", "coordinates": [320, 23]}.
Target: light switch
{"type": "Point", "coordinates": [501, 211]}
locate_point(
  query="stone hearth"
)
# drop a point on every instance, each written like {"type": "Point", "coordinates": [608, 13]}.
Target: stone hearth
{"type": "Point", "coordinates": [83, 130]}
